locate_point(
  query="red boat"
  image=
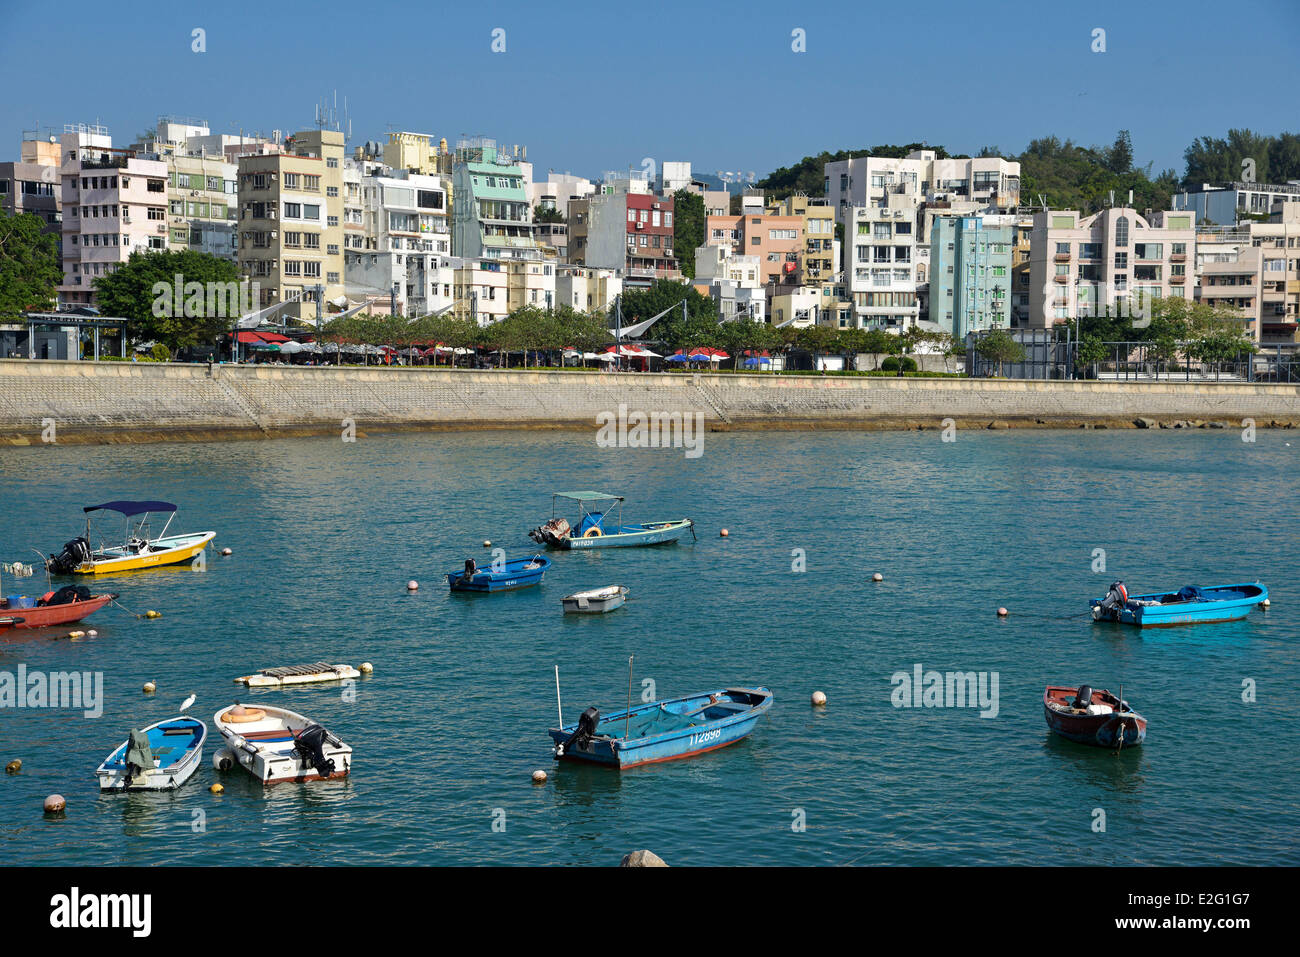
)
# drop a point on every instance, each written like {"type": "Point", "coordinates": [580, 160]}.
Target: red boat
{"type": "Point", "coordinates": [46, 615]}
{"type": "Point", "coordinates": [1093, 717]}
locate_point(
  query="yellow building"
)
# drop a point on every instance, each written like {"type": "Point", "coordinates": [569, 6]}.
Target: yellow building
{"type": "Point", "coordinates": [817, 261]}
{"type": "Point", "coordinates": [291, 223]}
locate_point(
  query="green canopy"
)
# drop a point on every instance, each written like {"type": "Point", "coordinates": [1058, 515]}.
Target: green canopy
{"type": "Point", "coordinates": [589, 496]}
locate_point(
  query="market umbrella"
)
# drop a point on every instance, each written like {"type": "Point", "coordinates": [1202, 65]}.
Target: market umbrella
{"type": "Point", "coordinates": [292, 348]}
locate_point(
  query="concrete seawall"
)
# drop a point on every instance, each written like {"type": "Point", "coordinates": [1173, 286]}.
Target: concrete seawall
{"type": "Point", "coordinates": [110, 402]}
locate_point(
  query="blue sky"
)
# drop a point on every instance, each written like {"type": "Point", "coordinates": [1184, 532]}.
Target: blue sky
{"type": "Point", "coordinates": [595, 86]}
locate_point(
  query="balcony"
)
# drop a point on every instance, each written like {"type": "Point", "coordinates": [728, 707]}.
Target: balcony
{"type": "Point", "coordinates": [1178, 280]}
{"type": "Point", "coordinates": [1062, 279]}
{"type": "Point", "coordinates": [1178, 258]}
{"type": "Point", "coordinates": [1061, 258]}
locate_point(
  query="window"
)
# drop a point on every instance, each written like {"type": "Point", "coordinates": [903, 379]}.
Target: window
{"type": "Point", "coordinates": [157, 186]}
{"type": "Point", "coordinates": [331, 190]}
{"type": "Point", "coordinates": [293, 239]}
{"type": "Point", "coordinates": [668, 219]}
{"type": "Point", "coordinates": [293, 210]}
{"type": "Point", "coordinates": [292, 267]}
{"type": "Point", "coordinates": [290, 180]}
{"type": "Point", "coordinates": [332, 163]}
{"type": "Point", "coordinates": [331, 221]}
{"type": "Point", "coordinates": [311, 183]}
{"type": "Point", "coordinates": [1148, 250]}
{"type": "Point", "coordinates": [1121, 260]}
{"type": "Point", "coordinates": [1121, 231]}
{"type": "Point", "coordinates": [311, 240]}
{"type": "Point", "coordinates": [311, 270]}
{"type": "Point", "coordinates": [1062, 249]}
{"type": "Point", "coordinates": [1089, 250]}
{"type": "Point", "coordinates": [311, 211]}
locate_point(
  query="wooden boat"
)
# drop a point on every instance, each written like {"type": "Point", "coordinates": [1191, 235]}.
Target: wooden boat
{"type": "Point", "coordinates": [595, 528]}
{"type": "Point", "coordinates": [62, 607]}
{"type": "Point", "coordinates": [1093, 717]}
{"type": "Point", "coordinates": [138, 549]}
{"type": "Point", "coordinates": [663, 730]}
{"type": "Point", "coordinates": [298, 675]}
{"type": "Point", "coordinates": [1189, 605]}
{"type": "Point", "coordinates": [276, 744]}
{"type": "Point", "coordinates": [161, 757]}
{"type": "Point", "coordinates": [510, 574]}
{"type": "Point", "coordinates": [595, 602]}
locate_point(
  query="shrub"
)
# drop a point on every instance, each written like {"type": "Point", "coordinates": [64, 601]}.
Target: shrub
{"type": "Point", "coordinates": [891, 364]}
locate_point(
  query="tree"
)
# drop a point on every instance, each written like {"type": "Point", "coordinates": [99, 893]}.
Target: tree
{"type": "Point", "coordinates": [689, 232]}
{"type": "Point", "coordinates": [1091, 350]}
{"type": "Point", "coordinates": [144, 291]}
{"type": "Point", "coordinates": [1119, 158]}
{"type": "Point", "coordinates": [547, 214]}
{"type": "Point", "coordinates": [700, 328]}
{"type": "Point", "coordinates": [29, 265]}
{"type": "Point", "coordinates": [999, 346]}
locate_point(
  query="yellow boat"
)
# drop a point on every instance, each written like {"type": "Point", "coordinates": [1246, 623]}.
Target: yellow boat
{"type": "Point", "coordinates": [137, 552]}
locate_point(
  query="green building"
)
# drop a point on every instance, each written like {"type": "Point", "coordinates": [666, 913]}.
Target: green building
{"type": "Point", "coordinates": [970, 273]}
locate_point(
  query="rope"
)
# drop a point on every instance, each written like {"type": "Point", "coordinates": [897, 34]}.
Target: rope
{"type": "Point", "coordinates": [125, 609]}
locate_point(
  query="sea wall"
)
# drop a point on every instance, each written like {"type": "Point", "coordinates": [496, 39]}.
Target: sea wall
{"type": "Point", "coordinates": [138, 402]}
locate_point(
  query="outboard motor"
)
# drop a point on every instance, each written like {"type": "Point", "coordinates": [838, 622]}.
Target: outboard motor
{"type": "Point", "coordinates": [1083, 698]}
{"type": "Point", "coordinates": [309, 744]}
{"type": "Point", "coordinates": [1110, 606]}
{"type": "Point", "coordinates": [586, 729]}
{"type": "Point", "coordinates": [471, 569]}
{"type": "Point", "coordinates": [74, 553]}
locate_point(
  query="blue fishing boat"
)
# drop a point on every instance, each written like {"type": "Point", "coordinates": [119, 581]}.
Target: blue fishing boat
{"type": "Point", "coordinates": [499, 576]}
{"type": "Point", "coordinates": [600, 525]}
{"type": "Point", "coordinates": [663, 730]}
{"type": "Point", "coordinates": [1189, 605]}
{"type": "Point", "coordinates": [160, 757]}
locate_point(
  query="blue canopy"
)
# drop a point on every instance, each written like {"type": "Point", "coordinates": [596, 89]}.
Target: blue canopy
{"type": "Point", "coordinates": [679, 358]}
{"type": "Point", "coordinates": [132, 508]}
{"type": "Point", "coordinates": [758, 361]}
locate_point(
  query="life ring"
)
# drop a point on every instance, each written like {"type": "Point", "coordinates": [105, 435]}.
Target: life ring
{"type": "Point", "coordinates": [593, 532]}
{"type": "Point", "coordinates": [243, 715]}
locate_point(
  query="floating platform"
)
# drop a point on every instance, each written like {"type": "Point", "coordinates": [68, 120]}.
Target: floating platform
{"type": "Point", "coordinates": [298, 675]}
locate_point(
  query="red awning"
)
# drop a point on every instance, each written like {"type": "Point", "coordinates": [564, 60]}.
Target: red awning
{"type": "Point", "coordinates": [259, 338]}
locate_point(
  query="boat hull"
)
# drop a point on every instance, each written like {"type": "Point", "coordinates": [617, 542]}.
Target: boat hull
{"type": "Point", "coordinates": [594, 603]}
{"type": "Point", "coordinates": [265, 748]}
{"type": "Point", "coordinates": [1238, 602]}
{"type": "Point", "coordinates": [48, 616]}
{"type": "Point", "coordinates": [629, 536]}
{"type": "Point", "coordinates": [672, 745]}
{"type": "Point", "coordinates": [173, 550]}
{"type": "Point", "coordinates": [1099, 730]}
{"type": "Point", "coordinates": [115, 776]}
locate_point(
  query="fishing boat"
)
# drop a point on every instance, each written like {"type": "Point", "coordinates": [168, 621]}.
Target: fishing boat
{"type": "Point", "coordinates": [62, 607]}
{"type": "Point", "coordinates": [1093, 717]}
{"type": "Point", "coordinates": [298, 675]}
{"type": "Point", "coordinates": [276, 744]}
{"type": "Point", "coordinates": [1189, 605]}
{"type": "Point", "coordinates": [138, 550]}
{"type": "Point", "coordinates": [499, 576]}
{"type": "Point", "coordinates": [596, 528]}
{"type": "Point", "coordinates": [595, 602]}
{"type": "Point", "coordinates": [663, 730]}
{"type": "Point", "coordinates": [160, 757]}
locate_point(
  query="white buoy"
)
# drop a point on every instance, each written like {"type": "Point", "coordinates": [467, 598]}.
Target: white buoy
{"type": "Point", "coordinates": [412, 585]}
{"type": "Point", "coordinates": [1002, 613]}
{"type": "Point", "coordinates": [92, 633]}
{"type": "Point", "coordinates": [1266, 602]}
{"type": "Point", "coordinates": [366, 668]}
{"type": "Point", "coordinates": [487, 543]}
{"type": "Point", "coordinates": [227, 551]}
{"type": "Point", "coordinates": [818, 698]}
{"type": "Point", "coordinates": [55, 804]}
{"type": "Point", "coordinates": [223, 759]}
{"type": "Point", "coordinates": [723, 533]}
{"type": "Point", "coordinates": [539, 777]}
{"type": "Point", "coordinates": [150, 687]}
{"type": "Point", "coordinates": [877, 577]}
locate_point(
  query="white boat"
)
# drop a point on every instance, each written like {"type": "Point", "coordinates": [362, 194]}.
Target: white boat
{"type": "Point", "coordinates": [162, 757]}
{"type": "Point", "coordinates": [298, 675]}
{"type": "Point", "coordinates": [276, 744]}
{"type": "Point", "coordinates": [596, 601]}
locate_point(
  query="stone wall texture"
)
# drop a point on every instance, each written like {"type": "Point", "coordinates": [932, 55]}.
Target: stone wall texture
{"type": "Point", "coordinates": [133, 402]}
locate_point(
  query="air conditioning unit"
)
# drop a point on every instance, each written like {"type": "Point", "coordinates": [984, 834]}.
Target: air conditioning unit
{"type": "Point", "coordinates": [273, 234]}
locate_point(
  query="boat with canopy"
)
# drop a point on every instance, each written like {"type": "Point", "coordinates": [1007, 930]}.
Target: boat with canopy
{"type": "Point", "coordinates": [138, 550]}
{"type": "Point", "coordinates": [600, 525]}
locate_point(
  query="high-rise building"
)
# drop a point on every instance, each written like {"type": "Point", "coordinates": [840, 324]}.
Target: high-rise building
{"type": "Point", "coordinates": [883, 267]}
{"type": "Point", "coordinates": [971, 273]}
{"type": "Point", "coordinates": [491, 215]}
{"type": "Point", "coordinates": [921, 175]}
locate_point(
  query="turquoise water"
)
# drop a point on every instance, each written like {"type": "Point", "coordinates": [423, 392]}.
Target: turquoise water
{"type": "Point", "coordinates": [453, 721]}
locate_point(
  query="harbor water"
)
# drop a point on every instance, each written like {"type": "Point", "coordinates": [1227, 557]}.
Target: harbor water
{"type": "Point", "coordinates": [447, 731]}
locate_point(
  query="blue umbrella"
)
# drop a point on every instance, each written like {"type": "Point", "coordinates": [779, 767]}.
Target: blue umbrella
{"type": "Point", "coordinates": [700, 357]}
{"type": "Point", "coordinates": [755, 361]}
{"type": "Point", "coordinates": [678, 358]}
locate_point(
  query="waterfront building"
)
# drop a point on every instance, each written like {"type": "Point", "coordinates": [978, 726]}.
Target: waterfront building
{"type": "Point", "coordinates": [819, 259]}
{"type": "Point", "coordinates": [673, 175]}
{"type": "Point", "coordinates": [488, 290]}
{"type": "Point", "coordinates": [114, 202]}
{"type": "Point", "coordinates": [777, 241]}
{"type": "Point", "coordinates": [558, 190]}
{"type": "Point", "coordinates": [971, 273]}
{"type": "Point", "coordinates": [867, 180]}
{"type": "Point", "coordinates": [883, 266]}
{"type": "Point", "coordinates": [1253, 269]}
{"type": "Point", "coordinates": [415, 153]}
{"type": "Point", "coordinates": [491, 215]}
{"type": "Point", "coordinates": [1235, 202]}
{"type": "Point", "coordinates": [1081, 265]}
{"type": "Point", "coordinates": [1021, 255]}
{"type": "Point", "coordinates": [32, 184]}
{"type": "Point", "coordinates": [629, 229]}
{"type": "Point", "coordinates": [291, 224]}
{"type": "Point", "coordinates": [586, 288]}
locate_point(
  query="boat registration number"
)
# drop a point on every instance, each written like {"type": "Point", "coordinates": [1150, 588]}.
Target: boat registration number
{"type": "Point", "coordinates": [704, 737]}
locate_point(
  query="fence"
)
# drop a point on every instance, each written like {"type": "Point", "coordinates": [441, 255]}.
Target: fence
{"type": "Point", "coordinates": [1049, 358]}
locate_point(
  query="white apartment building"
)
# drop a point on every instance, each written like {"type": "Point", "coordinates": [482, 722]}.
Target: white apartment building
{"type": "Point", "coordinates": [587, 288]}
{"type": "Point", "coordinates": [488, 290]}
{"type": "Point", "coordinates": [114, 202]}
{"type": "Point", "coordinates": [723, 262]}
{"type": "Point", "coordinates": [558, 190]}
{"type": "Point", "coordinates": [1080, 265]}
{"type": "Point", "coordinates": [869, 180]}
{"type": "Point", "coordinates": [884, 265]}
{"type": "Point", "coordinates": [673, 176]}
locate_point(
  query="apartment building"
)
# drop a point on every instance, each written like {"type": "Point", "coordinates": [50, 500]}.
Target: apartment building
{"type": "Point", "coordinates": [777, 241]}
{"type": "Point", "coordinates": [32, 184]}
{"type": "Point", "coordinates": [587, 289]}
{"type": "Point", "coordinates": [1080, 265]}
{"type": "Point", "coordinates": [921, 175]}
{"type": "Point", "coordinates": [114, 202]}
{"type": "Point", "coordinates": [628, 230]}
{"type": "Point", "coordinates": [1021, 256]}
{"type": "Point", "coordinates": [491, 215]}
{"type": "Point", "coordinates": [488, 290]}
{"type": "Point", "coordinates": [291, 223]}
{"type": "Point", "coordinates": [971, 260]}
{"type": "Point", "coordinates": [558, 190]}
{"type": "Point", "coordinates": [819, 259]}
{"type": "Point", "coordinates": [416, 153]}
{"type": "Point", "coordinates": [1254, 269]}
{"type": "Point", "coordinates": [883, 267]}
{"type": "Point", "coordinates": [1235, 202]}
